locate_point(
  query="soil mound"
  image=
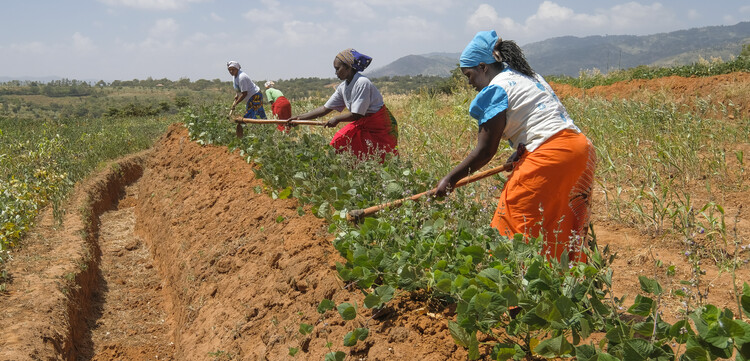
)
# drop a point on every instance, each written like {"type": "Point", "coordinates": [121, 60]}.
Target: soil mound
{"type": "Point", "coordinates": [192, 262]}
{"type": "Point", "coordinates": [243, 271]}
{"type": "Point", "coordinates": [729, 90]}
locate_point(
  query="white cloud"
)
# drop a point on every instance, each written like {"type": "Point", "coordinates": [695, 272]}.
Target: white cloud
{"type": "Point", "coordinates": [353, 9]}
{"type": "Point", "coordinates": [271, 13]}
{"type": "Point", "coordinates": [552, 19]}
{"type": "Point", "coordinates": [693, 14]}
{"type": "Point", "coordinates": [306, 34]}
{"type": "Point", "coordinates": [745, 9]}
{"type": "Point", "coordinates": [217, 17]}
{"type": "Point", "coordinates": [729, 19]}
{"type": "Point", "coordinates": [162, 35]}
{"type": "Point", "coordinates": [484, 18]}
{"type": "Point", "coordinates": [407, 29]}
{"type": "Point", "coordinates": [399, 36]}
{"type": "Point", "coordinates": [551, 13]}
{"type": "Point", "coordinates": [31, 48]}
{"type": "Point", "coordinates": [152, 4]}
{"type": "Point", "coordinates": [198, 37]}
{"type": "Point", "coordinates": [82, 43]}
{"type": "Point", "coordinates": [632, 15]}
{"type": "Point", "coordinates": [164, 28]}
{"type": "Point", "coordinates": [438, 6]}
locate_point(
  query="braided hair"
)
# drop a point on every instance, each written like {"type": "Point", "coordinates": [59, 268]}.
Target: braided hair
{"type": "Point", "coordinates": [509, 52]}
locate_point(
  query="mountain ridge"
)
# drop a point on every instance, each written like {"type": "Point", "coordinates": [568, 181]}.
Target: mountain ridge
{"type": "Point", "coordinates": [570, 55]}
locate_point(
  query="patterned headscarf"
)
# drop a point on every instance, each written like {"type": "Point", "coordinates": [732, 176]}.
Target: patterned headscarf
{"type": "Point", "coordinates": [269, 84]}
{"type": "Point", "coordinates": [479, 50]}
{"type": "Point", "coordinates": [233, 64]}
{"type": "Point", "coordinates": [354, 59]}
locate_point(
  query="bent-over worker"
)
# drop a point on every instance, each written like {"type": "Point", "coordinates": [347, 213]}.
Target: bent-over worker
{"type": "Point", "coordinates": [247, 91]}
{"type": "Point", "coordinates": [280, 105]}
{"type": "Point", "coordinates": [372, 129]}
{"type": "Point", "coordinates": [549, 191]}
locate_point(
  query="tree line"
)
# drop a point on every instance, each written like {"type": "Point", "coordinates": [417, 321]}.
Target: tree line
{"type": "Point", "coordinates": [297, 88]}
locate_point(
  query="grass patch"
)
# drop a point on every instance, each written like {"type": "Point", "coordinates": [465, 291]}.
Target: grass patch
{"type": "Point", "coordinates": [41, 160]}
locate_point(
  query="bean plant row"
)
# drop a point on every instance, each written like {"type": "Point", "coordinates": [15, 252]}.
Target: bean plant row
{"type": "Point", "coordinates": [511, 301]}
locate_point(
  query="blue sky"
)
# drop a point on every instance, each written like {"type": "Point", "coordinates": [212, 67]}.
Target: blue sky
{"type": "Point", "coordinates": [283, 39]}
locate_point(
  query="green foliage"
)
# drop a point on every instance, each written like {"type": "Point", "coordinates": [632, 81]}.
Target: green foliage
{"type": "Point", "coordinates": [335, 356]}
{"type": "Point", "coordinates": [455, 83]}
{"type": "Point", "coordinates": [406, 84]}
{"type": "Point", "coordinates": [437, 246]}
{"type": "Point", "coordinates": [545, 308]}
{"type": "Point", "coordinates": [717, 333]}
{"type": "Point", "coordinates": [40, 161]}
{"type": "Point", "coordinates": [299, 89]}
{"type": "Point", "coordinates": [700, 69]}
{"type": "Point", "coordinates": [669, 146]}
{"type": "Point", "coordinates": [305, 329]}
{"type": "Point", "coordinates": [69, 100]}
{"type": "Point", "coordinates": [55, 88]}
{"type": "Point", "coordinates": [745, 53]}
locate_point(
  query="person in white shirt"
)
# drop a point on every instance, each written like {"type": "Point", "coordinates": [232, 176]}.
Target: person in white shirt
{"type": "Point", "coordinates": [549, 191]}
{"type": "Point", "coordinates": [372, 129]}
{"type": "Point", "coordinates": [247, 92]}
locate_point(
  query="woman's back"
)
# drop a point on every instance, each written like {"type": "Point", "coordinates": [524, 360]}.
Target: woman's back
{"type": "Point", "coordinates": [534, 113]}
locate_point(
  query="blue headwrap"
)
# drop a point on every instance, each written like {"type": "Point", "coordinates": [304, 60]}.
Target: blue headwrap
{"type": "Point", "coordinates": [354, 59]}
{"type": "Point", "coordinates": [479, 50]}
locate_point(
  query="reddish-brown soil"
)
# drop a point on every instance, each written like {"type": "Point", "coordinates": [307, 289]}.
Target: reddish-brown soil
{"type": "Point", "coordinates": [729, 90]}
{"type": "Point", "coordinates": [171, 254]}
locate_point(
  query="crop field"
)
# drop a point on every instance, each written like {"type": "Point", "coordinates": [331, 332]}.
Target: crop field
{"type": "Point", "coordinates": [136, 225]}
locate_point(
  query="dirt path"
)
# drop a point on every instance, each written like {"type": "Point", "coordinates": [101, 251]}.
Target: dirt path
{"type": "Point", "coordinates": [128, 319]}
{"type": "Point", "coordinates": [43, 313]}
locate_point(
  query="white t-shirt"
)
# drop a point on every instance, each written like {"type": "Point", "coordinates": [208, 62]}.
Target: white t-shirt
{"type": "Point", "coordinates": [534, 113]}
{"type": "Point", "coordinates": [360, 96]}
{"type": "Point", "coordinates": [242, 82]}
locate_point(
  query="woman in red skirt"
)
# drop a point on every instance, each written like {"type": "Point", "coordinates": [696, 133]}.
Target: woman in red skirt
{"type": "Point", "coordinates": [372, 129]}
{"type": "Point", "coordinates": [280, 106]}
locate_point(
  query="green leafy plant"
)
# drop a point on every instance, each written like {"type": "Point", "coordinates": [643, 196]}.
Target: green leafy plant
{"type": "Point", "coordinates": [507, 294]}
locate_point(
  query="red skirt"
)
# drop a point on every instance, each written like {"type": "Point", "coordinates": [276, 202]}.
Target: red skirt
{"type": "Point", "coordinates": [282, 109]}
{"type": "Point", "coordinates": [375, 133]}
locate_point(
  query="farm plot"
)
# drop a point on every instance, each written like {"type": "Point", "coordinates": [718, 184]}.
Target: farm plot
{"type": "Point", "coordinates": [213, 267]}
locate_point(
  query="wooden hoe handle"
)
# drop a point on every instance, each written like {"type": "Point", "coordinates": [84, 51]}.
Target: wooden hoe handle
{"type": "Point", "coordinates": [357, 215]}
{"type": "Point", "coordinates": [277, 121]}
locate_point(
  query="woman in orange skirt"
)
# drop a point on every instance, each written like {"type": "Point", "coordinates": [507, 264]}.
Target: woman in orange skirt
{"type": "Point", "coordinates": [372, 129]}
{"type": "Point", "coordinates": [549, 191]}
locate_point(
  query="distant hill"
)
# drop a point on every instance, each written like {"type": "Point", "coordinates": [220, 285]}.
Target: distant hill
{"type": "Point", "coordinates": [439, 64]}
{"type": "Point", "coordinates": [570, 55]}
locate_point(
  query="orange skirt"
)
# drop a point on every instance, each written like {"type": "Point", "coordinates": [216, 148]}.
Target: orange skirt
{"type": "Point", "coordinates": [549, 193]}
